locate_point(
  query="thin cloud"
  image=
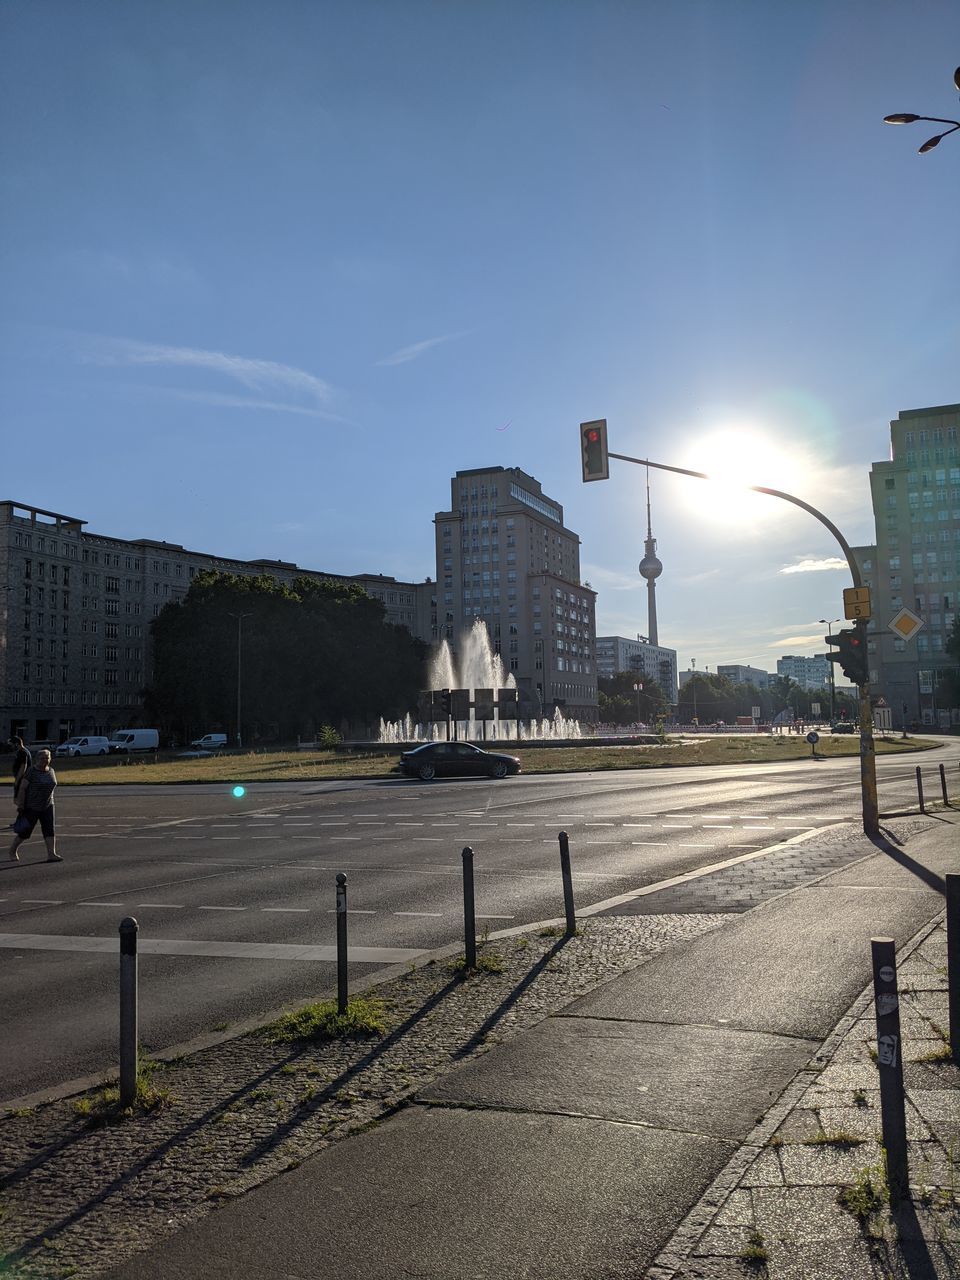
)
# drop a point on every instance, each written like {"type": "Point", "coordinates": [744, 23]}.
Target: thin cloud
{"type": "Point", "coordinates": [256, 375]}
{"type": "Point", "coordinates": [245, 402]}
{"type": "Point", "coordinates": [815, 566]}
{"type": "Point", "coordinates": [798, 642]}
{"type": "Point", "coordinates": [418, 348]}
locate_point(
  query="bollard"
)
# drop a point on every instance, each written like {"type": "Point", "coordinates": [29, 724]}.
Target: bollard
{"type": "Point", "coordinates": [469, 918]}
{"type": "Point", "coordinates": [920, 790]}
{"type": "Point", "coordinates": [943, 784]}
{"type": "Point", "coordinates": [567, 884]}
{"type": "Point", "coordinates": [128, 1011]}
{"type": "Point", "coordinates": [342, 994]}
{"type": "Point", "coordinates": [890, 1066]}
{"type": "Point", "coordinates": [953, 962]}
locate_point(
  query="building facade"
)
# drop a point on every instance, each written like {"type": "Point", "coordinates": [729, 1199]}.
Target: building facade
{"type": "Point", "coordinates": [617, 654]}
{"type": "Point", "coordinates": [505, 556]}
{"type": "Point", "coordinates": [738, 674]}
{"type": "Point", "coordinates": [75, 614]}
{"type": "Point", "coordinates": [915, 562]}
{"type": "Point", "coordinates": [811, 673]}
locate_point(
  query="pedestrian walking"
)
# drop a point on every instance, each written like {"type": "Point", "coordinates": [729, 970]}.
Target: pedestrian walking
{"type": "Point", "coordinates": [22, 760]}
{"type": "Point", "coordinates": [35, 803]}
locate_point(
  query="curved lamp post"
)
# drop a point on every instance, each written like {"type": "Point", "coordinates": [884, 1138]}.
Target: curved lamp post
{"type": "Point", "coordinates": [907, 117]}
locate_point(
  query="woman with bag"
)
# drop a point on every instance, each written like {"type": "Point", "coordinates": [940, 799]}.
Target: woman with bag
{"type": "Point", "coordinates": [35, 802]}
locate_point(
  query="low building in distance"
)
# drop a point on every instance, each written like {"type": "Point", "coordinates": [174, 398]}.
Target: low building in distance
{"type": "Point", "coordinates": [738, 674]}
{"type": "Point", "coordinates": [811, 673]}
{"type": "Point", "coordinates": [654, 662]}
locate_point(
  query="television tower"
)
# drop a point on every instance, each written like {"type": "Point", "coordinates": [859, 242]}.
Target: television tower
{"type": "Point", "coordinates": [651, 569]}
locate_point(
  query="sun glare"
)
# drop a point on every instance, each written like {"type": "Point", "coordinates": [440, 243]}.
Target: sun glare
{"type": "Point", "coordinates": [735, 457]}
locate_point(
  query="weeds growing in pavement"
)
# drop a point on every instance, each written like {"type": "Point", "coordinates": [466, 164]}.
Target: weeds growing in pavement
{"type": "Point", "coordinates": [103, 1107]}
{"type": "Point", "coordinates": [835, 1138]}
{"type": "Point", "coordinates": [487, 962]}
{"type": "Point", "coordinates": [867, 1197]}
{"type": "Point", "coordinates": [362, 1018]}
{"type": "Point", "coordinates": [754, 1251]}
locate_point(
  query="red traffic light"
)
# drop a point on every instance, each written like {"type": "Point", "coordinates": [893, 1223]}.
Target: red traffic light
{"type": "Point", "coordinates": [593, 450]}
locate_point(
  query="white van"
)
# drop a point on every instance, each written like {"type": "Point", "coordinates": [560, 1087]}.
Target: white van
{"type": "Point", "coordinates": [210, 742]}
{"type": "Point", "coordinates": [86, 745]}
{"type": "Point", "coordinates": [124, 740]}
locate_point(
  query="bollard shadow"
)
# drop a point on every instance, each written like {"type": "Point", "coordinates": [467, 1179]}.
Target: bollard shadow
{"type": "Point", "coordinates": [324, 1095]}
{"type": "Point", "coordinates": [887, 843]}
{"type": "Point", "coordinates": [507, 1004]}
{"type": "Point", "coordinates": [913, 1249]}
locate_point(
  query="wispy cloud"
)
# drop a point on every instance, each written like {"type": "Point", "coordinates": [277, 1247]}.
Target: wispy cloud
{"type": "Point", "coordinates": [301, 391]}
{"type": "Point", "coordinates": [248, 402]}
{"type": "Point", "coordinates": [797, 642]}
{"type": "Point", "coordinates": [418, 348]}
{"type": "Point", "coordinates": [815, 566]}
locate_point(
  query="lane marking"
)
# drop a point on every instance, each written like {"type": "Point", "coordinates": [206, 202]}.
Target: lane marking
{"type": "Point", "coordinates": [434, 914]}
{"type": "Point", "coordinates": [718, 826]}
{"type": "Point", "coordinates": [681, 845]}
{"type": "Point", "coordinates": [677, 826]}
{"type": "Point", "coordinates": [221, 908]}
{"type": "Point", "coordinates": [229, 950]}
{"type": "Point", "coordinates": [167, 906]}
{"type": "Point", "coordinates": [47, 902]}
{"type": "Point", "coordinates": [480, 916]}
{"type": "Point", "coordinates": [287, 910]}
{"type": "Point", "coordinates": [354, 911]}
{"type": "Point", "coordinates": [118, 905]}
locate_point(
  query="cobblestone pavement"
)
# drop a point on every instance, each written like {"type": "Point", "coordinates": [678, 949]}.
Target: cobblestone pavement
{"type": "Point", "coordinates": [77, 1199]}
{"type": "Point", "coordinates": [804, 1199]}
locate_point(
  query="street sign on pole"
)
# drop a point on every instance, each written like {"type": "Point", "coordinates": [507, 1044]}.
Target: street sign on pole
{"type": "Point", "coordinates": [856, 603]}
{"type": "Point", "coordinates": [905, 624]}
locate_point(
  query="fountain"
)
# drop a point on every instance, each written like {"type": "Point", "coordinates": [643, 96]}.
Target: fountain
{"type": "Point", "coordinates": [478, 668]}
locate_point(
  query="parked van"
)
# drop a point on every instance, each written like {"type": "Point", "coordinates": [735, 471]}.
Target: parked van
{"type": "Point", "coordinates": [210, 742]}
{"type": "Point", "coordinates": [123, 740]}
{"type": "Point", "coordinates": [84, 746]}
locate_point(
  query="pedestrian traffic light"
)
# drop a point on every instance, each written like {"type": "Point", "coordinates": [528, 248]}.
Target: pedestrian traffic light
{"type": "Point", "coordinates": [851, 655]}
{"type": "Point", "coordinates": [593, 450]}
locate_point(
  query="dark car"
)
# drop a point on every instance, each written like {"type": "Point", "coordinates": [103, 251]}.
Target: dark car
{"type": "Point", "coordinates": [456, 759]}
{"type": "Point", "coordinates": [844, 726]}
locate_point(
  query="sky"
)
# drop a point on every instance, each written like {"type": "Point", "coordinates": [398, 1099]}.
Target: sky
{"type": "Point", "coordinates": [270, 274]}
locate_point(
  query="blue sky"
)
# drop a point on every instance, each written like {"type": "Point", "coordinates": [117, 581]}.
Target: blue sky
{"type": "Point", "coordinates": [270, 274]}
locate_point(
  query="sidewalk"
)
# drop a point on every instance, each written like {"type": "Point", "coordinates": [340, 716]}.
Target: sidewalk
{"type": "Point", "coordinates": [680, 1119]}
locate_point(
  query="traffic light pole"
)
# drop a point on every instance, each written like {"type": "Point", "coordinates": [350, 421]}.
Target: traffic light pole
{"type": "Point", "coordinates": [868, 760]}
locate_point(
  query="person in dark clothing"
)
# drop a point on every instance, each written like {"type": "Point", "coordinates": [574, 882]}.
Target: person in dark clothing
{"type": "Point", "coordinates": [22, 760]}
{"type": "Point", "coordinates": [35, 801]}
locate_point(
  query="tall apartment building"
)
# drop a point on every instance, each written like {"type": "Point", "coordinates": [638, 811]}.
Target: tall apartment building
{"type": "Point", "coordinates": [617, 654]}
{"type": "Point", "coordinates": [75, 614]}
{"type": "Point", "coordinates": [505, 556]}
{"type": "Point", "coordinates": [811, 673]}
{"type": "Point", "coordinates": [915, 562]}
{"type": "Point", "coordinates": [738, 674]}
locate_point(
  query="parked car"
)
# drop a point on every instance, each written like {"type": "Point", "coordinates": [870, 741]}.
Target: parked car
{"type": "Point", "coordinates": [844, 726]}
{"type": "Point", "coordinates": [125, 740]}
{"type": "Point", "coordinates": [210, 742]}
{"type": "Point", "coordinates": [455, 759]}
{"type": "Point", "coordinates": [84, 746]}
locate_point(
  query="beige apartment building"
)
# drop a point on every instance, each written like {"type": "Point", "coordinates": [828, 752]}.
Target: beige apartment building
{"type": "Point", "coordinates": [75, 614]}
{"type": "Point", "coordinates": [505, 556]}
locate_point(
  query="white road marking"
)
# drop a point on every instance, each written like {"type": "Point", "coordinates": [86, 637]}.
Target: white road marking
{"type": "Point", "coordinates": [655, 844]}
{"type": "Point", "coordinates": [435, 914]}
{"type": "Point", "coordinates": [718, 826]}
{"type": "Point", "coordinates": [170, 906]}
{"type": "Point", "coordinates": [746, 846]}
{"type": "Point", "coordinates": [677, 826]}
{"type": "Point", "coordinates": [759, 828]}
{"type": "Point", "coordinates": [533, 824]}
{"type": "Point", "coordinates": [681, 845]}
{"type": "Point", "coordinates": [231, 950]}
{"type": "Point", "coordinates": [586, 824]}
{"type": "Point", "coordinates": [221, 908]}
{"type": "Point", "coordinates": [46, 902]}
{"type": "Point", "coordinates": [644, 826]}
{"type": "Point", "coordinates": [299, 910]}
{"type": "Point", "coordinates": [479, 916]}
{"type": "Point", "coordinates": [751, 817]}
{"type": "Point", "coordinates": [118, 905]}
{"type": "Point", "coordinates": [409, 824]}
{"type": "Point", "coordinates": [334, 839]}
{"type": "Point", "coordinates": [354, 911]}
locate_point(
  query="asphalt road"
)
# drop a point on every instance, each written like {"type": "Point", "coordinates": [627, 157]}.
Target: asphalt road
{"type": "Point", "coordinates": [235, 898]}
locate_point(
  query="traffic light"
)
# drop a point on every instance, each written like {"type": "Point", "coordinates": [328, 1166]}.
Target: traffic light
{"type": "Point", "coordinates": [445, 701]}
{"type": "Point", "coordinates": [851, 655]}
{"type": "Point", "coordinates": [593, 450]}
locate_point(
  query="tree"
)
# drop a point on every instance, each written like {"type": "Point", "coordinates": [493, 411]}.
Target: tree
{"type": "Point", "coordinates": [618, 700]}
{"type": "Point", "coordinates": [707, 697]}
{"type": "Point", "coordinates": [314, 653]}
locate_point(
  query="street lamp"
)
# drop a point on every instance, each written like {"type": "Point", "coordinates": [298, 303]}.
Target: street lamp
{"type": "Point", "coordinates": [638, 689]}
{"type": "Point", "coordinates": [693, 687]}
{"type": "Point", "coordinates": [830, 622]}
{"type": "Point", "coordinates": [239, 617]}
{"type": "Point", "coordinates": [907, 117]}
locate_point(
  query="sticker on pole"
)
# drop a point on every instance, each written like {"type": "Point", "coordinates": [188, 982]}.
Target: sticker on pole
{"type": "Point", "coordinates": [886, 1003]}
{"type": "Point", "coordinates": [887, 1051]}
{"type": "Point", "coordinates": [886, 973]}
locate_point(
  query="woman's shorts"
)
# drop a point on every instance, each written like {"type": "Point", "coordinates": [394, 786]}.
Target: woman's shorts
{"type": "Point", "coordinates": [44, 817]}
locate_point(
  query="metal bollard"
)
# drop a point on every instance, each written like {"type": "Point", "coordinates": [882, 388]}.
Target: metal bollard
{"type": "Point", "coordinates": [920, 790]}
{"type": "Point", "coordinates": [567, 884]}
{"type": "Point", "coordinates": [953, 962]}
{"type": "Point", "coordinates": [943, 784]}
{"type": "Point", "coordinates": [469, 916]}
{"type": "Point", "coordinates": [342, 994]}
{"type": "Point", "coordinates": [128, 1011]}
{"type": "Point", "coordinates": [890, 1065]}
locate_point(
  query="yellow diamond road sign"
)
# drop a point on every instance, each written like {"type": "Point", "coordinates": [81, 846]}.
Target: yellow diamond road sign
{"type": "Point", "coordinates": [905, 624]}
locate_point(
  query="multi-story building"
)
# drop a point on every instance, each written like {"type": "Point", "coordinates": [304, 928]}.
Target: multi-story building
{"type": "Point", "coordinates": [738, 674]}
{"type": "Point", "coordinates": [75, 614]}
{"type": "Point", "coordinates": [915, 562]}
{"type": "Point", "coordinates": [505, 556]}
{"type": "Point", "coordinates": [811, 673]}
{"type": "Point", "coordinates": [617, 654]}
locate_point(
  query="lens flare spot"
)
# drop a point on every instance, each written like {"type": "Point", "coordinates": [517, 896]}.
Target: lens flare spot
{"type": "Point", "coordinates": [239, 791]}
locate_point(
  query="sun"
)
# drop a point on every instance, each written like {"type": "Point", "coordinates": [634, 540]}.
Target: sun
{"type": "Point", "coordinates": [735, 457]}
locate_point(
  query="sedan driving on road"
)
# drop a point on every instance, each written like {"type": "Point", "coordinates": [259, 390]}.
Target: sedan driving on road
{"type": "Point", "coordinates": [456, 759]}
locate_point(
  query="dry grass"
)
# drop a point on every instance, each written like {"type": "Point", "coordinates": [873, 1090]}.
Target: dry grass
{"type": "Point", "coordinates": [379, 762]}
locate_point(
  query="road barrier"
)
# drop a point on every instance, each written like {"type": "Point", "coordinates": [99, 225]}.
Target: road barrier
{"type": "Point", "coordinates": [469, 913]}
{"type": "Point", "coordinates": [567, 884]}
{"type": "Point", "coordinates": [920, 791]}
{"type": "Point", "coordinates": [128, 1011]}
{"type": "Point", "coordinates": [953, 962]}
{"type": "Point", "coordinates": [342, 993]}
{"type": "Point", "coordinates": [943, 784]}
{"type": "Point", "coordinates": [890, 1066]}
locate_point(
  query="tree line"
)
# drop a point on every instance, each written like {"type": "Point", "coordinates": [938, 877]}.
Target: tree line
{"type": "Point", "coordinates": [314, 653]}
